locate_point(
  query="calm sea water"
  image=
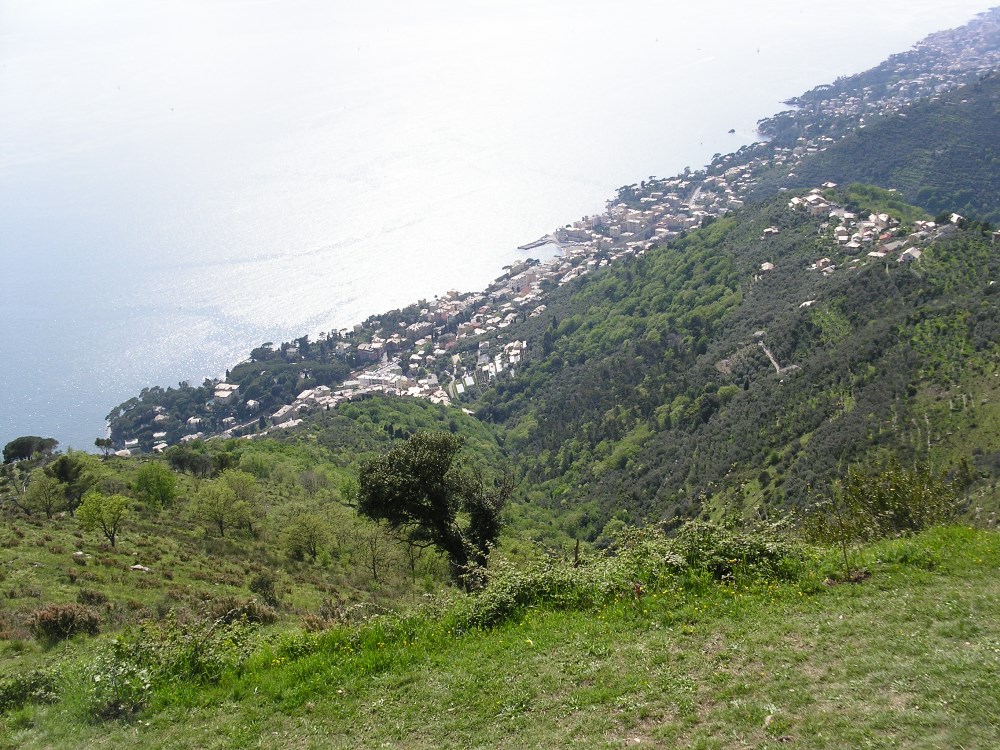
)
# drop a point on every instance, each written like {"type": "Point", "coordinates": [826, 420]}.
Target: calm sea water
{"type": "Point", "coordinates": [182, 181]}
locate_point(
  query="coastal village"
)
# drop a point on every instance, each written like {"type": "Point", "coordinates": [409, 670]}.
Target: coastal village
{"type": "Point", "coordinates": [406, 362]}
{"type": "Point", "coordinates": [446, 349]}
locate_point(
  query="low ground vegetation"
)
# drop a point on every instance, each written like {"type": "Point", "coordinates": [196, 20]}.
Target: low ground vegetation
{"type": "Point", "coordinates": [679, 652]}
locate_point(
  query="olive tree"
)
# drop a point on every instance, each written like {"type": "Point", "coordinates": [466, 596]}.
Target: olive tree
{"type": "Point", "coordinates": [247, 496]}
{"type": "Point", "coordinates": [884, 501]}
{"type": "Point", "coordinates": [217, 505]}
{"type": "Point", "coordinates": [45, 494]}
{"type": "Point", "coordinates": [73, 471]}
{"type": "Point", "coordinates": [306, 536]}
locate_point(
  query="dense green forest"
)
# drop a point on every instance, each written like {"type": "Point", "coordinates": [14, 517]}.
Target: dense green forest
{"type": "Point", "coordinates": [649, 393]}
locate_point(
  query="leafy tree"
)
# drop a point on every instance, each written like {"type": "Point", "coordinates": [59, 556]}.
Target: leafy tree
{"type": "Point", "coordinates": [104, 512]}
{"type": "Point", "coordinates": [26, 447]}
{"type": "Point", "coordinates": [306, 536]}
{"type": "Point", "coordinates": [264, 584]}
{"type": "Point", "coordinates": [105, 444]}
{"type": "Point", "coordinates": [71, 470]}
{"type": "Point", "coordinates": [191, 458]}
{"type": "Point", "coordinates": [313, 481]}
{"type": "Point", "coordinates": [45, 494]}
{"type": "Point", "coordinates": [373, 545]}
{"type": "Point", "coordinates": [420, 488]}
{"type": "Point", "coordinates": [257, 464]}
{"type": "Point", "coordinates": [14, 481]}
{"type": "Point", "coordinates": [156, 484]}
{"type": "Point", "coordinates": [893, 500]}
{"type": "Point", "coordinates": [246, 495]}
{"type": "Point", "coordinates": [217, 505]}
{"type": "Point", "coordinates": [886, 501]}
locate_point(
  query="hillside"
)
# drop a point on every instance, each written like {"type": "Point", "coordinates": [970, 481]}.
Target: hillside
{"type": "Point", "coordinates": [907, 658]}
{"type": "Point", "coordinates": [942, 154]}
{"type": "Point", "coordinates": [289, 537]}
{"type": "Point", "coordinates": [641, 377]}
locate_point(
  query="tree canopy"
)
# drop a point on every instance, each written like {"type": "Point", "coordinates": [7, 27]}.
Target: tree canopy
{"type": "Point", "coordinates": [104, 512]}
{"type": "Point", "coordinates": [45, 494]}
{"type": "Point", "coordinates": [23, 448]}
{"type": "Point", "coordinates": [419, 488]}
{"type": "Point", "coordinates": [71, 470]}
{"type": "Point", "coordinates": [156, 484]}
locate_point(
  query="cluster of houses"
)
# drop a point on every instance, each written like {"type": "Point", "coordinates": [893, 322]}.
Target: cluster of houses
{"type": "Point", "coordinates": [941, 62]}
{"type": "Point", "coordinates": [387, 377]}
{"type": "Point", "coordinates": [938, 64]}
{"type": "Point", "coordinates": [878, 234]}
{"type": "Point", "coordinates": [875, 237]}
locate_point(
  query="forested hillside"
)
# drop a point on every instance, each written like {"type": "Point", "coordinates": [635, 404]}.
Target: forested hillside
{"type": "Point", "coordinates": [942, 154]}
{"type": "Point", "coordinates": [650, 392]}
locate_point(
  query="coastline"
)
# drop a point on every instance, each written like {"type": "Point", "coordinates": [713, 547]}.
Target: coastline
{"type": "Point", "coordinates": [643, 215]}
{"type": "Point", "coordinates": [168, 327]}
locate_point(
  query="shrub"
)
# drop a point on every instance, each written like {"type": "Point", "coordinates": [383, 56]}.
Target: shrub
{"type": "Point", "coordinates": [510, 589]}
{"type": "Point", "coordinates": [730, 553]}
{"type": "Point", "coordinates": [641, 559]}
{"type": "Point", "coordinates": [117, 688]}
{"type": "Point", "coordinates": [297, 645]}
{"type": "Point", "coordinates": [91, 598]}
{"type": "Point", "coordinates": [314, 623]}
{"type": "Point", "coordinates": [263, 585]}
{"type": "Point", "coordinates": [230, 609]}
{"type": "Point", "coordinates": [57, 622]}
{"type": "Point", "coordinates": [127, 669]}
{"type": "Point", "coordinates": [886, 501]}
{"type": "Point", "coordinates": [646, 555]}
{"type": "Point", "coordinates": [36, 686]}
{"type": "Point", "coordinates": [334, 609]}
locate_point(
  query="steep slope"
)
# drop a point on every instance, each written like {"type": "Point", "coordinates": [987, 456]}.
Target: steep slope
{"type": "Point", "coordinates": [942, 154]}
{"type": "Point", "coordinates": [691, 375]}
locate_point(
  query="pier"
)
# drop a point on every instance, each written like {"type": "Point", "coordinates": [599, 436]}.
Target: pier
{"type": "Point", "coordinates": [543, 240]}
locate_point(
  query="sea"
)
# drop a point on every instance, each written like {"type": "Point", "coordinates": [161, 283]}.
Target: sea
{"type": "Point", "coordinates": [182, 181]}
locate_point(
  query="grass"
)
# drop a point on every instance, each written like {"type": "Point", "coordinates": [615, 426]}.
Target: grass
{"type": "Point", "coordinates": [51, 561]}
{"type": "Point", "coordinates": [910, 658]}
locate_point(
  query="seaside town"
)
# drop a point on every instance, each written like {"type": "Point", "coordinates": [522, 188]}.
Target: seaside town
{"type": "Point", "coordinates": [446, 349]}
{"type": "Point", "coordinates": [421, 359]}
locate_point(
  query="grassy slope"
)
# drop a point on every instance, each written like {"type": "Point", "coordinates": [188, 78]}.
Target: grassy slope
{"type": "Point", "coordinates": [910, 658]}
{"type": "Point", "coordinates": [190, 565]}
